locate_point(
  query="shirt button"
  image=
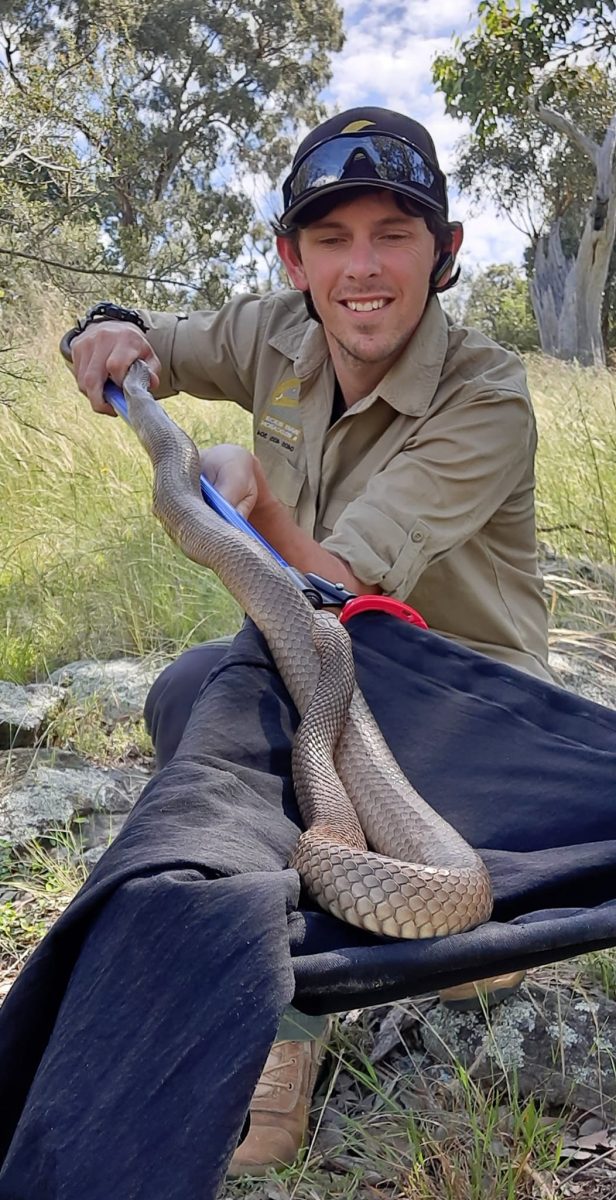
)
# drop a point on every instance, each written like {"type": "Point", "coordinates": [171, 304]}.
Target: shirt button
{"type": "Point", "coordinates": [417, 536]}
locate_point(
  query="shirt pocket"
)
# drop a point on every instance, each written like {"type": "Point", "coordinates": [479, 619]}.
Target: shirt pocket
{"type": "Point", "coordinates": [285, 480]}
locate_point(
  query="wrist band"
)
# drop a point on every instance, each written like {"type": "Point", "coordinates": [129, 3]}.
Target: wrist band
{"type": "Point", "coordinates": [105, 311]}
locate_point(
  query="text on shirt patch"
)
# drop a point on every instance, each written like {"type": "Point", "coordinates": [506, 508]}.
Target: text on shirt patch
{"type": "Point", "coordinates": [280, 423]}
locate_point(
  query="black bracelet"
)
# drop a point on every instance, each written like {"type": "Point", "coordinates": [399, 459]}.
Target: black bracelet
{"type": "Point", "coordinates": [105, 311]}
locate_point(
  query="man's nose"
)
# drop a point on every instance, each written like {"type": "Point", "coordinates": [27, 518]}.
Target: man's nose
{"type": "Point", "coordinates": [363, 261]}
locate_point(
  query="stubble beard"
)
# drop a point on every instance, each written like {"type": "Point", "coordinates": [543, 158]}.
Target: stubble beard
{"type": "Point", "coordinates": [356, 357]}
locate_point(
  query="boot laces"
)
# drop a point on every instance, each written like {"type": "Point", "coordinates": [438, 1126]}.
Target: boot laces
{"type": "Point", "coordinates": [268, 1083]}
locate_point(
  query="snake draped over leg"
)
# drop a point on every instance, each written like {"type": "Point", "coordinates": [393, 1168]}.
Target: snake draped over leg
{"type": "Point", "coordinates": [351, 793]}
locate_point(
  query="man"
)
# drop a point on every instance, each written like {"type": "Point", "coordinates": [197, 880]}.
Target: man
{"type": "Point", "coordinates": [393, 451]}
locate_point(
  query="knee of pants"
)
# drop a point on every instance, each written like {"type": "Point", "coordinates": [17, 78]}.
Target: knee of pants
{"type": "Point", "coordinates": [172, 695]}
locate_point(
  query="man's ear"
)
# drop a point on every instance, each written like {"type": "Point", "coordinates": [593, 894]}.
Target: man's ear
{"type": "Point", "coordinates": [292, 263]}
{"type": "Point", "coordinates": [441, 275]}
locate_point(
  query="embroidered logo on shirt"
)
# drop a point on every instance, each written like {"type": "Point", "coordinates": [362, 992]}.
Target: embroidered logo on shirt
{"type": "Point", "coordinates": [280, 423]}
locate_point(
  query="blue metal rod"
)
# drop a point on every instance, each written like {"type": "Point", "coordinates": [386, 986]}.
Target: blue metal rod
{"type": "Point", "coordinates": [115, 396]}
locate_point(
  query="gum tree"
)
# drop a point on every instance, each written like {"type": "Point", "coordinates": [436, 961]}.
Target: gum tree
{"type": "Point", "coordinates": [144, 128]}
{"type": "Point", "coordinates": [519, 78]}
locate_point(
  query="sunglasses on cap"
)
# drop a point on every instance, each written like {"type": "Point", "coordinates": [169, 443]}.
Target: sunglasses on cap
{"type": "Point", "coordinates": [398, 164]}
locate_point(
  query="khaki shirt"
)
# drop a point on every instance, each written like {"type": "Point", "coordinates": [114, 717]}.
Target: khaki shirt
{"type": "Point", "coordinates": [424, 487]}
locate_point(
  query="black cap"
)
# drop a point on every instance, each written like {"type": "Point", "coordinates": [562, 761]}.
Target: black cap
{"type": "Point", "coordinates": [368, 121]}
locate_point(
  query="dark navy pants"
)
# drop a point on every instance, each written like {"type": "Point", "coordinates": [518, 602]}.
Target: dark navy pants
{"type": "Point", "coordinates": [173, 694]}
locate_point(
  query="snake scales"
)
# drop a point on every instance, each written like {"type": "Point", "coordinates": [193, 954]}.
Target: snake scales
{"type": "Point", "coordinates": [436, 884]}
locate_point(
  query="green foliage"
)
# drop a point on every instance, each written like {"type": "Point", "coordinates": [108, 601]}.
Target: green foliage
{"type": "Point", "coordinates": [131, 135]}
{"type": "Point", "coordinates": [20, 929]}
{"type": "Point", "coordinates": [601, 966]}
{"type": "Point", "coordinates": [498, 303]}
{"type": "Point", "coordinates": [505, 58]}
{"type": "Point", "coordinates": [42, 877]}
{"type": "Point", "coordinates": [533, 173]}
{"type": "Point", "coordinates": [82, 727]}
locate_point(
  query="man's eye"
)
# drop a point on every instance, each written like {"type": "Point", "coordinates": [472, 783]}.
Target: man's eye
{"type": "Point", "coordinates": [330, 241]}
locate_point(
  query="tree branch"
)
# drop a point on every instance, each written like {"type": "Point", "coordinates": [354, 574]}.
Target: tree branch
{"type": "Point", "coordinates": [9, 53]}
{"type": "Point", "coordinates": [51, 262]}
{"type": "Point", "coordinates": [10, 158]}
{"type": "Point", "coordinates": [21, 152]}
{"type": "Point", "coordinates": [567, 128]}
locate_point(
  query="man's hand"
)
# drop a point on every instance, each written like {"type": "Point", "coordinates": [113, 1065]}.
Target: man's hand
{"type": "Point", "coordinates": [105, 350]}
{"type": "Point", "coordinates": [238, 476]}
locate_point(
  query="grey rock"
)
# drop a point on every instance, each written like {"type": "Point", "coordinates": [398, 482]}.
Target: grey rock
{"type": "Point", "coordinates": [120, 686]}
{"type": "Point", "coordinates": [561, 1047]}
{"type": "Point", "coordinates": [588, 672]}
{"type": "Point", "coordinates": [90, 857]}
{"type": "Point", "coordinates": [551, 563]}
{"type": "Point", "coordinates": [25, 710]}
{"type": "Point", "coordinates": [46, 791]}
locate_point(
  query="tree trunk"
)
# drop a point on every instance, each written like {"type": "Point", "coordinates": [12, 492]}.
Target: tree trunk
{"type": "Point", "coordinates": [567, 292]}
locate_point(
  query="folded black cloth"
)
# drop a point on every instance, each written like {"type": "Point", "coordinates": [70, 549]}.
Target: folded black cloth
{"type": "Point", "coordinates": [132, 1040]}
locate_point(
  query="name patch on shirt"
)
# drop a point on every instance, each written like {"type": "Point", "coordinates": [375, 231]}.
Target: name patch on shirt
{"type": "Point", "coordinates": [280, 423]}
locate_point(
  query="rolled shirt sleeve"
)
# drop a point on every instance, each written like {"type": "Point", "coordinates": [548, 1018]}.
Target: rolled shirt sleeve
{"type": "Point", "coordinates": [212, 355]}
{"type": "Point", "coordinates": [452, 476]}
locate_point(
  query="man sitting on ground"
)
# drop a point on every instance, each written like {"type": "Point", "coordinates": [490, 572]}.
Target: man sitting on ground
{"type": "Point", "coordinates": [394, 450]}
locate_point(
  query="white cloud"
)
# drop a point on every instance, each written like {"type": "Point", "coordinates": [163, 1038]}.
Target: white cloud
{"type": "Point", "coordinates": [489, 237]}
{"type": "Point", "coordinates": [387, 61]}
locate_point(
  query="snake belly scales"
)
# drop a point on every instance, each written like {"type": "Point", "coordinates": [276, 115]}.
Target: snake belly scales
{"type": "Point", "coordinates": [350, 790]}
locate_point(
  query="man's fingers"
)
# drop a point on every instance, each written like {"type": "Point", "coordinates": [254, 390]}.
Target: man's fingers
{"type": "Point", "coordinates": [119, 362]}
{"type": "Point", "coordinates": [91, 374]}
{"type": "Point", "coordinates": [232, 471]}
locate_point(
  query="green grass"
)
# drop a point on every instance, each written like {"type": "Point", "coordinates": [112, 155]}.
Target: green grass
{"type": "Point", "coordinates": [601, 966]}
{"type": "Point", "coordinates": [82, 727]}
{"type": "Point", "coordinates": [405, 1129]}
{"type": "Point", "coordinates": [36, 884]}
{"type": "Point", "coordinates": [388, 1126]}
{"type": "Point", "coordinates": [85, 570]}
{"type": "Point", "coordinates": [576, 462]}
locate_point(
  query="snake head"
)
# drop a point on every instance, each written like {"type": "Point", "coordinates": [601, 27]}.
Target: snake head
{"type": "Point", "coordinates": [137, 378]}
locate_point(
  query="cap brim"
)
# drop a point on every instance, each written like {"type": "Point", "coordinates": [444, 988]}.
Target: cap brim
{"type": "Point", "coordinates": [288, 218]}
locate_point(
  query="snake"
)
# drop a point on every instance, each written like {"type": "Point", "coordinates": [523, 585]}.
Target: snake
{"type": "Point", "coordinates": [373, 852]}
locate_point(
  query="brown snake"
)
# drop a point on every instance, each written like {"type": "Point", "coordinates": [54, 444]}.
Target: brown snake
{"type": "Point", "coordinates": [436, 884]}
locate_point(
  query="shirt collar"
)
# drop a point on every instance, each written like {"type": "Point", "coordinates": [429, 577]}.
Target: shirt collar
{"type": "Point", "coordinates": [409, 386]}
{"type": "Point", "coordinates": [304, 343]}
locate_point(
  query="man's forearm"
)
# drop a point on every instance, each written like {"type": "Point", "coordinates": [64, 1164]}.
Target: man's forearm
{"type": "Point", "coordinates": [274, 522]}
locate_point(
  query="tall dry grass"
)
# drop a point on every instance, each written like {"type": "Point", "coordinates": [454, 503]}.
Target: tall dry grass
{"type": "Point", "coordinates": [84, 568]}
{"type": "Point", "coordinates": [576, 461]}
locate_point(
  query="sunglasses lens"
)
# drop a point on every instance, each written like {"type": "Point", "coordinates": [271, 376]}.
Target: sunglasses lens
{"type": "Point", "coordinates": [389, 159]}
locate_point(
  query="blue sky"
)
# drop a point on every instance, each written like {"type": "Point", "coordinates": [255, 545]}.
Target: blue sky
{"type": "Point", "coordinates": [387, 61]}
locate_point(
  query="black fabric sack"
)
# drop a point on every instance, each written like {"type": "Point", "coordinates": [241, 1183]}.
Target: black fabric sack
{"type": "Point", "coordinates": [131, 1043]}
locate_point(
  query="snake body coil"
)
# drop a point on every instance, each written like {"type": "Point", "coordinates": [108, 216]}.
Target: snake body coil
{"type": "Point", "coordinates": [350, 790]}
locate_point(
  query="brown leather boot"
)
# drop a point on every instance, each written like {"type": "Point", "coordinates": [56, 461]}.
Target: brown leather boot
{"type": "Point", "coordinates": [280, 1108]}
{"type": "Point", "coordinates": [481, 992]}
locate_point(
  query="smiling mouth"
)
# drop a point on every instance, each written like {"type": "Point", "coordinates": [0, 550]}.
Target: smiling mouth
{"type": "Point", "coordinates": [365, 306]}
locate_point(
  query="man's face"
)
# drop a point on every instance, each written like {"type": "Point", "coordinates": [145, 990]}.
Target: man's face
{"type": "Point", "coordinates": [367, 266]}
